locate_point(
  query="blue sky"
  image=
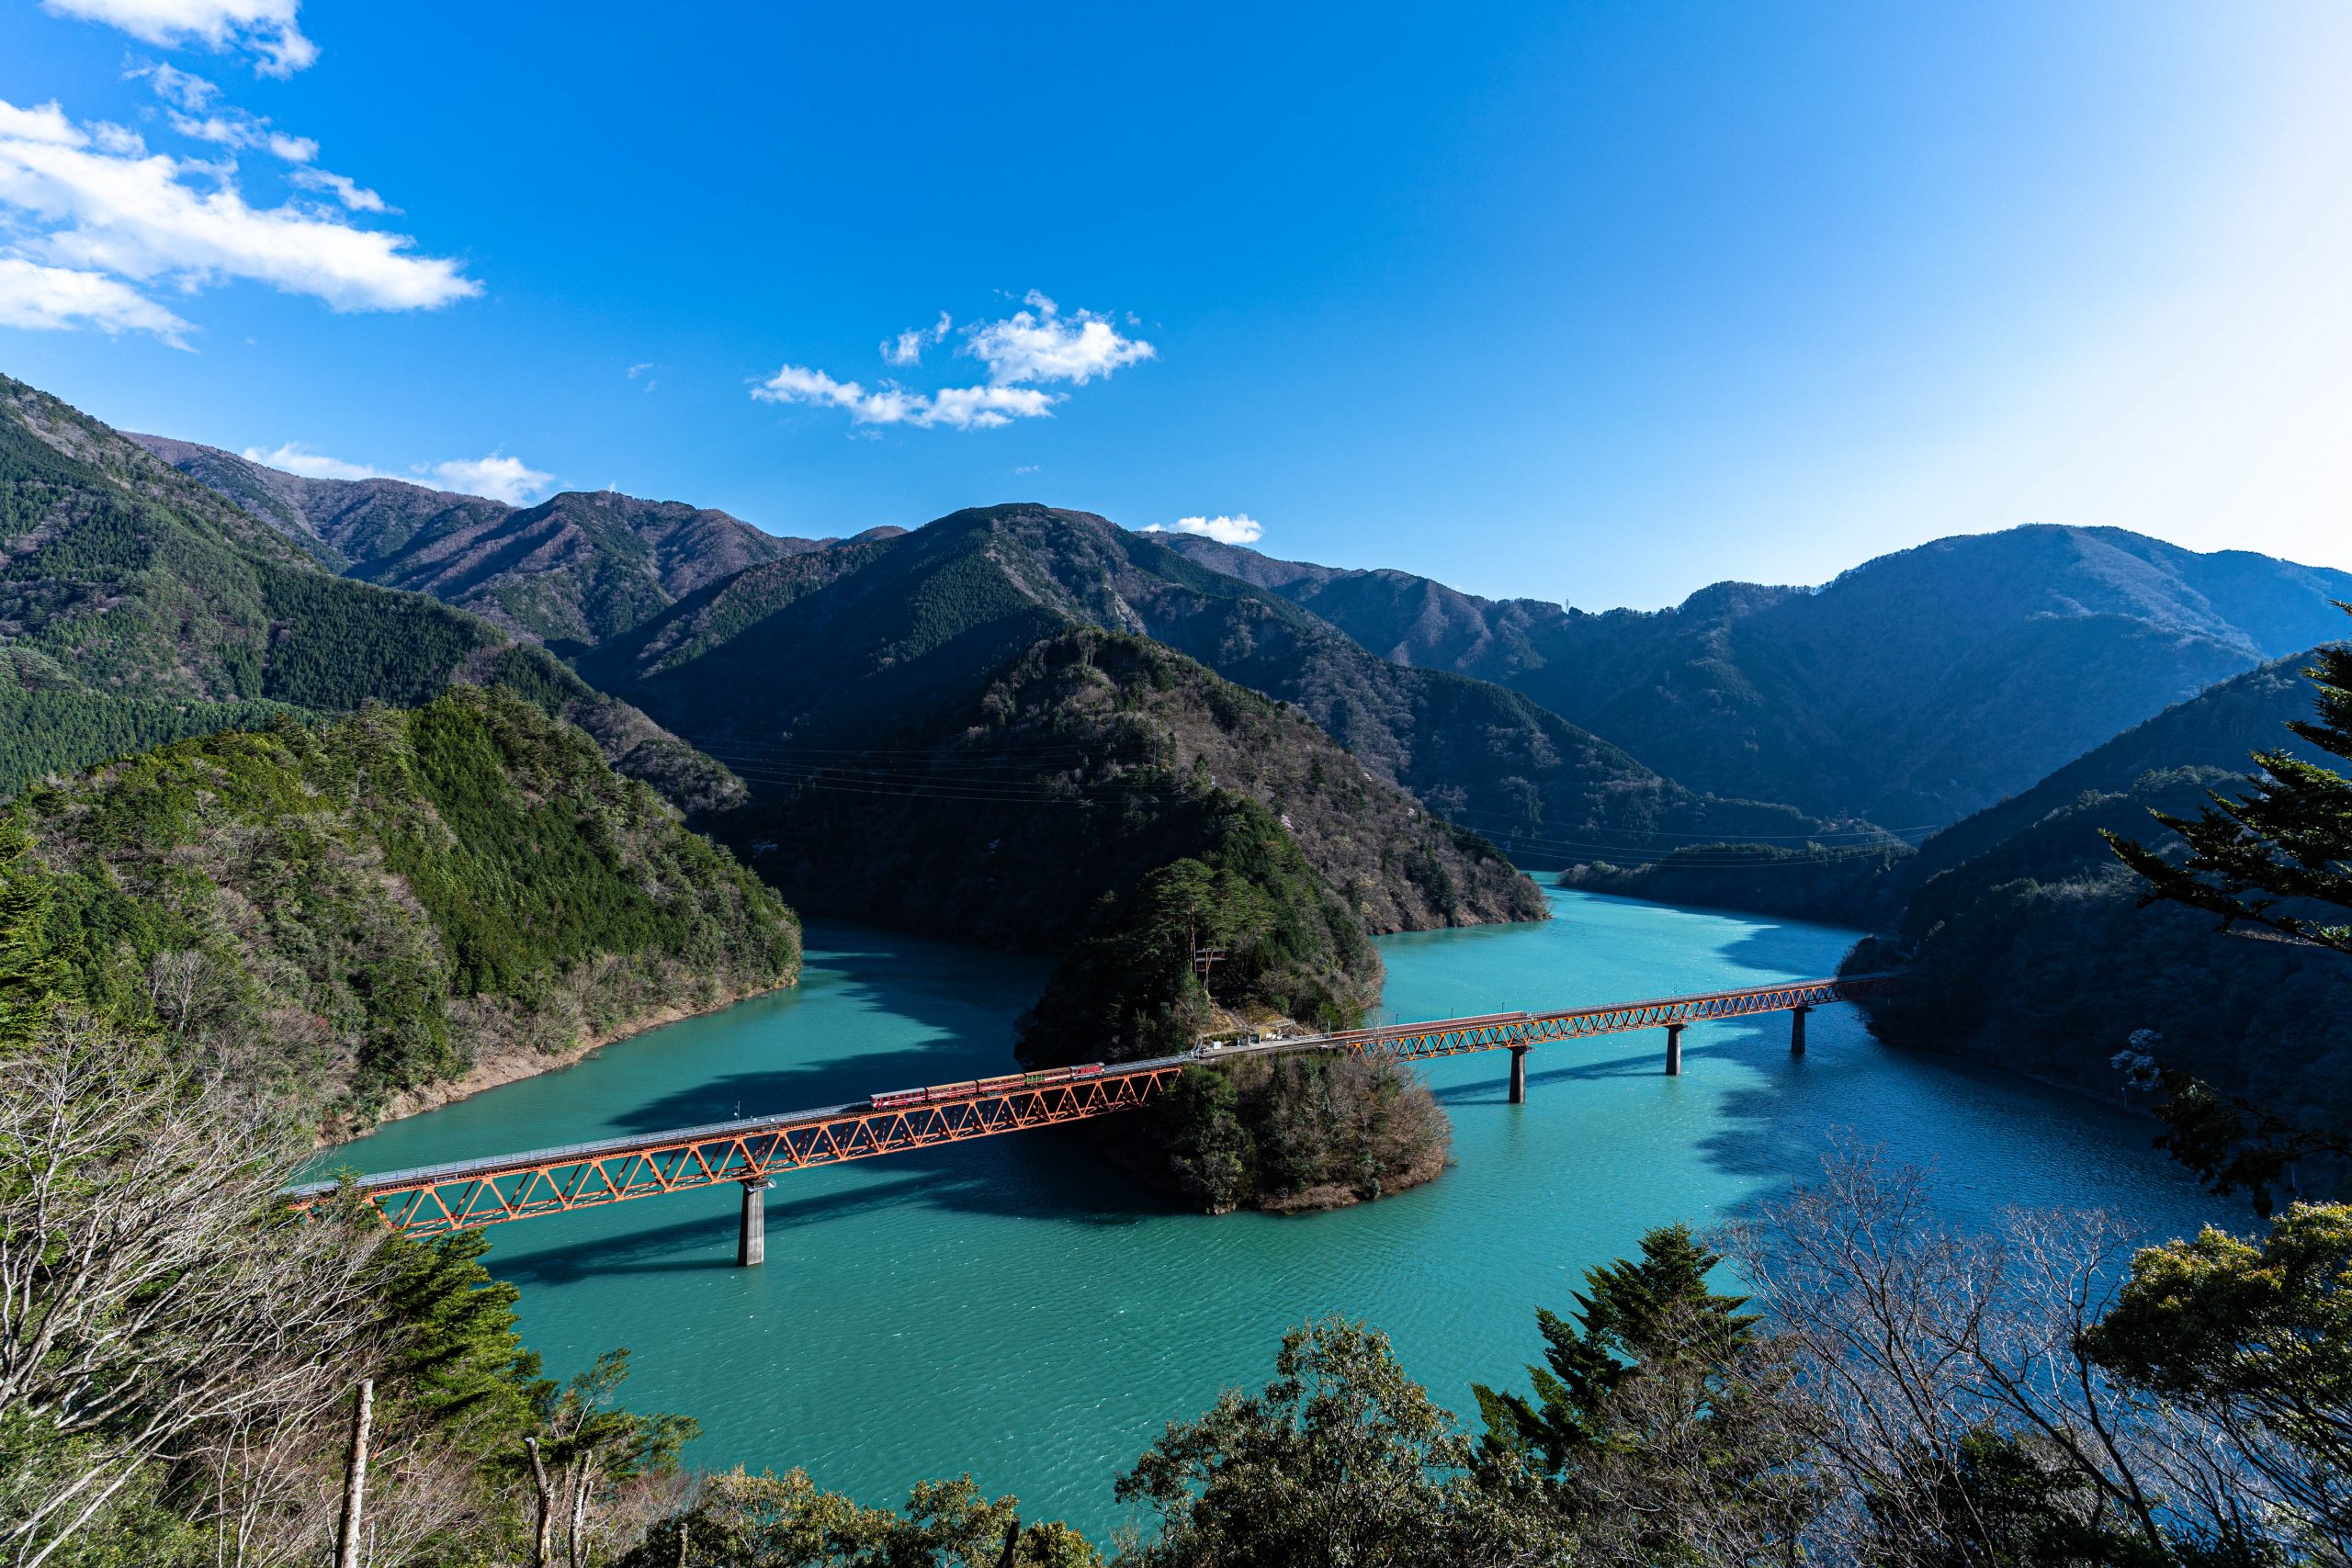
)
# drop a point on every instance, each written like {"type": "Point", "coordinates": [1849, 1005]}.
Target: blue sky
{"type": "Point", "coordinates": [1594, 303]}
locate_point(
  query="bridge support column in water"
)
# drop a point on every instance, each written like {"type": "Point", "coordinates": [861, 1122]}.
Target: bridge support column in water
{"type": "Point", "coordinates": [1796, 1030]}
{"type": "Point", "coordinates": [751, 1241]}
{"type": "Point", "coordinates": [1674, 1049]}
{"type": "Point", "coordinates": [1519, 1074]}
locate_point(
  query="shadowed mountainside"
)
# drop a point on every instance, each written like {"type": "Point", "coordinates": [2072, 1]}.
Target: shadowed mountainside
{"type": "Point", "coordinates": [2029, 949]}
{"type": "Point", "coordinates": [1089, 760]}
{"type": "Point", "coordinates": [1912, 690]}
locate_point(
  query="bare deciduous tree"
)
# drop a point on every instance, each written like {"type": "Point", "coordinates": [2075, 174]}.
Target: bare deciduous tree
{"type": "Point", "coordinates": [1918, 1343]}
{"type": "Point", "coordinates": [151, 1293]}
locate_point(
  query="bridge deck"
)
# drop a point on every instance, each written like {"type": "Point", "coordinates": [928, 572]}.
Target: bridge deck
{"type": "Point", "coordinates": [465, 1194]}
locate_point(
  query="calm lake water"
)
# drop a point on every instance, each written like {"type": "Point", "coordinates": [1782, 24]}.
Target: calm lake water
{"type": "Point", "coordinates": [1010, 1308]}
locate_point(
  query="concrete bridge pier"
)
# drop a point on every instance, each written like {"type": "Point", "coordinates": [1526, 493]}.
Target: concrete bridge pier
{"type": "Point", "coordinates": [1674, 1049]}
{"type": "Point", "coordinates": [1519, 1074]}
{"type": "Point", "coordinates": [1796, 1030]}
{"type": "Point", "coordinates": [752, 1240]}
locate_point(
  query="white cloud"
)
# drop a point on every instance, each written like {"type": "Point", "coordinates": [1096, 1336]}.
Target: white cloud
{"type": "Point", "coordinates": [264, 29]}
{"type": "Point", "coordinates": [354, 196]}
{"type": "Point", "coordinates": [44, 123]}
{"type": "Point", "coordinates": [137, 216]}
{"type": "Point", "coordinates": [55, 298]}
{"type": "Point", "coordinates": [499, 477]}
{"type": "Point", "coordinates": [1036, 344]}
{"type": "Point", "coordinates": [294, 460]}
{"type": "Point", "coordinates": [908, 346]}
{"type": "Point", "coordinates": [1239, 529]}
{"type": "Point", "coordinates": [191, 93]}
{"type": "Point", "coordinates": [1042, 344]}
{"type": "Point", "coordinates": [957, 408]}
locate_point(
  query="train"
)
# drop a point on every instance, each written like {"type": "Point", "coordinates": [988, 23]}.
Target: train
{"type": "Point", "coordinates": [933, 1094]}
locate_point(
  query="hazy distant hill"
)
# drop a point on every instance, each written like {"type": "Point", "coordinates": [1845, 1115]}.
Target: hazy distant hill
{"type": "Point", "coordinates": [570, 571]}
{"type": "Point", "coordinates": [2029, 949]}
{"type": "Point", "coordinates": [852, 645]}
{"type": "Point", "coordinates": [136, 604]}
{"type": "Point", "coordinates": [1912, 690]}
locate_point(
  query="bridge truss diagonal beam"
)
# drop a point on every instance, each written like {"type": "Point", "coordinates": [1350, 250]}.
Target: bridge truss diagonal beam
{"type": "Point", "coordinates": [474, 1193]}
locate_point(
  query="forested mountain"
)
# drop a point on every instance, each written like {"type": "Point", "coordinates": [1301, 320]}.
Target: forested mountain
{"type": "Point", "coordinates": [122, 582]}
{"type": "Point", "coordinates": [363, 912]}
{"type": "Point", "coordinates": [570, 571]}
{"type": "Point", "coordinates": [1912, 690]}
{"type": "Point", "coordinates": [850, 646]}
{"type": "Point", "coordinates": [1082, 764]}
{"type": "Point", "coordinates": [2029, 949]}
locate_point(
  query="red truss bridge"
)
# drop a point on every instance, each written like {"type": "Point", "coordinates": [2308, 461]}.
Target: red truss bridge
{"type": "Point", "coordinates": [468, 1194]}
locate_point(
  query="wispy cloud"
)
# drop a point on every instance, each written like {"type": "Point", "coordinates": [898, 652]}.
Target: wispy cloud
{"type": "Point", "coordinates": [908, 346]}
{"type": "Point", "coordinates": [645, 371]}
{"type": "Point", "coordinates": [1239, 529]}
{"type": "Point", "coordinates": [496, 477]}
{"type": "Point", "coordinates": [295, 458]}
{"type": "Point", "coordinates": [51, 298]}
{"type": "Point", "coordinates": [956, 408]}
{"type": "Point", "coordinates": [265, 30]}
{"type": "Point", "coordinates": [92, 200]}
{"type": "Point", "coordinates": [1036, 344]}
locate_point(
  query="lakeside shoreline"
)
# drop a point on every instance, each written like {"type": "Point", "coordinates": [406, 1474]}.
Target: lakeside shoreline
{"type": "Point", "coordinates": [497, 1069]}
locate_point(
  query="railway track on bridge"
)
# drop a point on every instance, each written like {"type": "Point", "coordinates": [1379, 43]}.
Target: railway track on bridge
{"type": "Point", "coordinates": [468, 1194]}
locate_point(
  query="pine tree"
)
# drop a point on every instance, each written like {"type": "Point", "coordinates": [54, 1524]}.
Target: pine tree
{"type": "Point", "coordinates": [1634, 1317]}
{"type": "Point", "coordinates": [2285, 845]}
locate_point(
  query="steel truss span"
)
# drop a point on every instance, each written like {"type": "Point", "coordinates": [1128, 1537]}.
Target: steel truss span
{"type": "Point", "coordinates": [434, 1199]}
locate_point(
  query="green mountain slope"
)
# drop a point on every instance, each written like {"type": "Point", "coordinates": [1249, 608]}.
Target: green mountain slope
{"type": "Point", "coordinates": [393, 902]}
{"type": "Point", "coordinates": [1913, 690]}
{"type": "Point", "coordinates": [2028, 950]}
{"type": "Point", "coordinates": [124, 582]}
{"type": "Point", "coordinates": [850, 646]}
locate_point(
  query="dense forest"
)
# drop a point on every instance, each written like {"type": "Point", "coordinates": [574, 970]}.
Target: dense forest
{"type": "Point", "coordinates": [2028, 947]}
{"type": "Point", "coordinates": [1081, 765]}
{"type": "Point", "coordinates": [360, 912]}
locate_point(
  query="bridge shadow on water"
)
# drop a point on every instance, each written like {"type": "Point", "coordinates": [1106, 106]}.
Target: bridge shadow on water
{"type": "Point", "coordinates": [1045, 1177]}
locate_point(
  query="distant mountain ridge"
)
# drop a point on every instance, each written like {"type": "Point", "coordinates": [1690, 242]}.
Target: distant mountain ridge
{"type": "Point", "coordinates": [570, 572]}
{"type": "Point", "coordinates": [876, 635]}
{"type": "Point", "coordinates": [137, 605]}
{"type": "Point", "coordinates": [1912, 689]}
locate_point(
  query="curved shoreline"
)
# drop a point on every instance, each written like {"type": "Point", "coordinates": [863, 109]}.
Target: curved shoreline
{"type": "Point", "coordinates": [497, 1068]}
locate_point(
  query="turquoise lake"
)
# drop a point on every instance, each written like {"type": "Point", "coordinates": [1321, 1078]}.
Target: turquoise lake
{"type": "Point", "coordinates": [1010, 1308]}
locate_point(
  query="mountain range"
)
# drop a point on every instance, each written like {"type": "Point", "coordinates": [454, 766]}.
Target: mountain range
{"type": "Point", "coordinates": [1911, 690]}
{"type": "Point", "coordinates": [568, 572]}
